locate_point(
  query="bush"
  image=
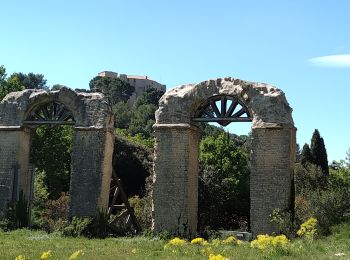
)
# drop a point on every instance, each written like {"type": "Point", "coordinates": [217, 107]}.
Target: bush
{"type": "Point", "coordinates": [143, 211]}
{"type": "Point", "coordinates": [55, 215]}
{"type": "Point", "coordinates": [17, 214]}
{"type": "Point", "coordinates": [87, 226]}
{"type": "Point", "coordinates": [77, 227]}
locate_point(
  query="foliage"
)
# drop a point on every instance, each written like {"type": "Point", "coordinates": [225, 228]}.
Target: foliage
{"type": "Point", "coordinates": [266, 242]}
{"type": "Point", "coordinates": [149, 97]}
{"type": "Point", "coordinates": [143, 210]}
{"type": "Point", "coordinates": [8, 85]}
{"type": "Point", "coordinates": [54, 216]}
{"type": "Point", "coordinates": [133, 164]}
{"type": "Point", "coordinates": [116, 89]}
{"type": "Point", "coordinates": [326, 198]}
{"type": "Point", "coordinates": [77, 227]}
{"type": "Point", "coordinates": [30, 80]}
{"type": "Point", "coordinates": [306, 156]}
{"type": "Point", "coordinates": [76, 255]}
{"type": "Point", "coordinates": [308, 177]}
{"type": "Point", "coordinates": [17, 214]}
{"type": "Point", "coordinates": [284, 221]}
{"type": "Point", "coordinates": [318, 152]}
{"type": "Point", "coordinates": [51, 153]}
{"type": "Point", "coordinates": [96, 227]}
{"type": "Point", "coordinates": [31, 244]}
{"type": "Point", "coordinates": [46, 255]}
{"type": "Point", "coordinates": [199, 241]}
{"type": "Point", "coordinates": [223, 183]}
{"type": "Point", "coordinates": [122, 115]}
{"type": "Point", "coordinates": [308, 229]}
{"type": "Point", "coordinates": [143, 120]}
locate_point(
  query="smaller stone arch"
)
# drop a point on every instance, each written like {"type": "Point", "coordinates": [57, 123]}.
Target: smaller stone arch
{"type": "Point", "coordinates": [175, 190]}
{"type": "Point", "coordinates": [92, 120]}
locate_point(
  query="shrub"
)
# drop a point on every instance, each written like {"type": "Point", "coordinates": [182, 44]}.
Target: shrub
{"type": "Point", "coordinates": [54, 216]}
{"type": "Point", "coordinates": [17, 214]}
{"type": "Point", "coordinates": [265, 242]}
{"type": "Point", "coordinates": [308, 229]}
{"type": "Point", "coordinates": [143, 211]}
{"type": "Point", "coordinates": [88, 226]}
{"type": "Point", "coordinates": [77, 227]}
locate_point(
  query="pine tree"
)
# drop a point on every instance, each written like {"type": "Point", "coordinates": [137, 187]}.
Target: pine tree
{"type": "Point", "coordinates": [306, 156]}
{"type": "Point", "coordinates": [318, 152]}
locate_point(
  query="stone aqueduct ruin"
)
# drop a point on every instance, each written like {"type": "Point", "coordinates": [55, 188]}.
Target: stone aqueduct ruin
{"type": "Point", "coordinates": [175, 189]}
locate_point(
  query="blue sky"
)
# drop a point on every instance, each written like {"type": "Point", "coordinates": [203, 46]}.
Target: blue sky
{"type": "Point", "coordinates": [283, 43]}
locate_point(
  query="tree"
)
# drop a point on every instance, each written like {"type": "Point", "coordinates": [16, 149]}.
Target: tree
{"type": "Point", "coordinates": [318, 152]}
{"type": "Point", "coordinates": [116, 89]}
{"type": "Point", "coordinates": [223, 182]}
{"type": "Point", "coordinates": [306, 156]}
{"type": "Point", "coordinates": [57, 87]}
{"type": "Point", "coordinates": [151, 96]}
{"type": "Point", "coordinates": [51, 154]}
{"type": "Point", "coordinates": [30, 80]}
{"type": "Point", "coordinates": [142, 120]}
{"type": "Point", "coordinates": [123, 114]}
{"type": "Point", "coordinates": [8, 85]}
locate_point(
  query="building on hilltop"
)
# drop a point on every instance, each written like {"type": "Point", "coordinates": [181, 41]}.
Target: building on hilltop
{"type": "Point", "coordinates": [141, 83]}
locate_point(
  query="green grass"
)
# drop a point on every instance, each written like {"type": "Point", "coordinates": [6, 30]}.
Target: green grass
{"type": "Point", "coordinates": [33, 243]}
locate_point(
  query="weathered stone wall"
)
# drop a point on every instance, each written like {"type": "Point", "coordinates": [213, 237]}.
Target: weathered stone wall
{"type": "Point", "coordinates": [273, 151]}
{"type": "Point", "coordinates": [272, 162]}
{"type": "Point", "coordinates": [174, 202]}
{"type": "Point", "coordinates": [91, 150]}
{"type": "Point", "coordinates": [92, 147]}
{"type": "Point", "coordinates": [14, 144]}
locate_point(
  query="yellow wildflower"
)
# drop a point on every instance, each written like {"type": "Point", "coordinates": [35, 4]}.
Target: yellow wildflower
{"type": "Point", "coordinates": [308, 228]}
{"type": "Point", "coordinates": [175, 242]}
{"type": "Point", "coordinates": [207, 251]}
{"type": "Point", "coordinates": [217, 257]}
{"type": "Point", "coordinates": [230, 240]}
{"type": "Point", "coordinates": [46, 255]}
{"type": "Point", "coordinates": [199, 241]}
{"type": "Point", "coordinates": [280, 241]}
{"type": "Point", "coordinates": [261, 242]}
{"type": "Point", "coordinates": [266, 241]}
{"type": "Point", "coordinates": [215, 242]}
{"type": "Point", "coordinates": [20, 257]}
{"type": "Point", "coordinates": [76, 254]}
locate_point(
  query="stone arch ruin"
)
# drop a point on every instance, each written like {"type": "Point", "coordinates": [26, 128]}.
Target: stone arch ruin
{"type": "Point", "coordinates": [175, 190]}
{"type": "Point", "coordinates": [92, 121]}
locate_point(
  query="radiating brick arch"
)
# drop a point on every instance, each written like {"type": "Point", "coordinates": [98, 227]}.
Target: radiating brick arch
{"type": "Point", "coordinates": [92, 146]}
{"type": "Point", "coordinates": [175, 188]}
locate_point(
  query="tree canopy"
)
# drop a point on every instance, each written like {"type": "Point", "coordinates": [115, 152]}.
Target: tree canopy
{"type": "Point", "coordinates": [318, 152]}
{"type": "Point", "coordinates": [116, 89]}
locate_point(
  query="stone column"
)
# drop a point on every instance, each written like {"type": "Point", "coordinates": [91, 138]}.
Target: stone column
{"type": "Point", "coordinates": [14, 163]}
{"type": "Point", "coordinates": [175, 185]}
{"type": "Point", "coordinates": [91, 171]}
{"type": "Point", "coordinates": [272, 162]}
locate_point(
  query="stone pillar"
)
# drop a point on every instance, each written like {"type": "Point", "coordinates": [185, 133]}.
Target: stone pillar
{"type": "Point", "coordinates": [175, 184]}
{"type": "Point", "coordinates": [14, 163]}
{"type": "Point", "coordinates": [91, 171]}
{"type": "Point", "coordinates": [272, 162]}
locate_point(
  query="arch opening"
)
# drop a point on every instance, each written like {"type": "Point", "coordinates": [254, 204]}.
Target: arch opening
{"type": "Point", "coordinates": [224, 164]}
{"type": "Point", "coordinates": [222, 109]}
{"type": "Point", "coordinates": [272, 152]}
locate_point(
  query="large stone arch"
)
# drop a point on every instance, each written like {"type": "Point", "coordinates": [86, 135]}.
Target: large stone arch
{"type": "Point", "coordinates": [175, 187]}
{"type": "Point", "coordinates": [92, 147]}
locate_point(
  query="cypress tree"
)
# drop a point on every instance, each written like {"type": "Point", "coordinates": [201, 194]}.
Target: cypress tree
{"type": "Point", "coordinates": [318, 152]}
{"type": "Point", "coordinates": [306, 156]}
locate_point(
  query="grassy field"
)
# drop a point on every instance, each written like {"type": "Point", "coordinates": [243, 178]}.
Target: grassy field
{"type": "Point", "coordinates": [31, 244]}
